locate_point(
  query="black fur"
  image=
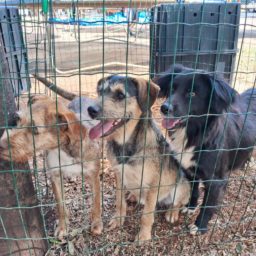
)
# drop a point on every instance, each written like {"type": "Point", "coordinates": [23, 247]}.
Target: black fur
{"type": "Point", "coordinates": [219, 122]}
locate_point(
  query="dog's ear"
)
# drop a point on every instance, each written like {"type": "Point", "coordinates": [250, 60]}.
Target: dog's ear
{"type": "Point", "coordinates": [165, 79]}
{"type": "Point", "coordinates": [99, 85]}
{"type": "Point", "coordinates": [74, 127]}
{"type": "Point", "coordinates": [68, 124]}
{"type": "Point", "coordinates": [147, 93]}
{"type": "Point", "coordinates": [222, 94]}
{"type": "Point", "coordinates": [177, 68]}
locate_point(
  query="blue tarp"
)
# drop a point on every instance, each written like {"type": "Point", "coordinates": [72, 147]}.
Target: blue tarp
{"type": "Point", "coordinates": [117, 18]}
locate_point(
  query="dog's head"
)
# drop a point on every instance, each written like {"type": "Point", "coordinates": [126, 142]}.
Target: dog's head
{"type": "Point", "coordinates": [42, 125]}
{"type": "Point", "coordinates": [192, 94]}
{"type": "Point", "coordinates": [121, 100]}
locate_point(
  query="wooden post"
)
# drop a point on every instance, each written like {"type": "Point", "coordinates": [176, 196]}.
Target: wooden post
{"type": "Point", "coordinates": [21, 229]}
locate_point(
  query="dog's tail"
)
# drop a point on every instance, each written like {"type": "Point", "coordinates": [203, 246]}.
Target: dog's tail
{"type": "Point", "coordinates": [63, 93]}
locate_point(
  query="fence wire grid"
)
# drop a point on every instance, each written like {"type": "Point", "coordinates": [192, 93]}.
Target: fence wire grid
{"type": "Point", "coordinates": [73, 44]}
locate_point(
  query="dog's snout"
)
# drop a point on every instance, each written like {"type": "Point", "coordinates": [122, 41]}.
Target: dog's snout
{"type": "Point", "coordinates": [166, 108]}
{"type": "Point", "coordinates": [93, 111]}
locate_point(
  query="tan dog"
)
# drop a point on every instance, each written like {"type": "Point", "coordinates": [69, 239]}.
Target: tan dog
{"type": "Point", "coordinates": [48, 128]}
{"type": "Point", "coordinates": [137, 150]}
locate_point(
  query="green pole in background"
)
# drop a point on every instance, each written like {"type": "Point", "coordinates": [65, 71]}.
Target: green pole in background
{"type": "Point", "coordinates": [45, 6]}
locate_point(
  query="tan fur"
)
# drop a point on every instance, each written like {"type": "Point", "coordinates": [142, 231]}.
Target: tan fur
{"type": "Point", "coordinates": [53, 128]}
{"type": "Point", "coordinates": [141, 174]}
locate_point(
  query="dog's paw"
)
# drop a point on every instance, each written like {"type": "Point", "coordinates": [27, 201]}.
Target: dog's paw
{"type": "Point", "coordinates": [115, 223]}
{"type": "Point", "coordinates": [167, 216]}
{"type": "Point", "coordinates": [97, 227]}
{"type": "Point", "coordinates": [172, 217]}
{"type": "Point", "coordinates": [60, 232]}
{"type": "Point", "coordinates": [131, 198]}
{"type": "Point", "coordinates": [61, 229]}
{"type": "Point", "coordinates": [184, 210]}
{"type": "Point", "coordinates": [188, 211]}
{"type": "Point", "coordinates": [143, 237]}
{"type": "Point", "coordinates": [195, 230]}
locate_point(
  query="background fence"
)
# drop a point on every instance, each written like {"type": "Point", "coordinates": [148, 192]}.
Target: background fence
{"type": "Point", "coordinates": [75, 44]}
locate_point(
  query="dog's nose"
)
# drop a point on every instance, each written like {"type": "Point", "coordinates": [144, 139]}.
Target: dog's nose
{"type": "Point", "coordinates": [93, 111]}
{"type": "Point", "coordinates": [166, 108]}
{"type": "Point", "coordinates": [13, 121]}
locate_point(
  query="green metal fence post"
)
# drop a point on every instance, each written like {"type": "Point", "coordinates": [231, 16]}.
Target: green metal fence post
{"type": "Point", "coordinates": [45, 6]}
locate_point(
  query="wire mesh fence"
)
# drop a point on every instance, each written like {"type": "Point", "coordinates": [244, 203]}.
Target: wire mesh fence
{"type": "Point", "coordinates": [141, 155]}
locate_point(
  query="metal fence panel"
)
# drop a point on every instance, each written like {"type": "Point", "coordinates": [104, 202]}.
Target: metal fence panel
{"type": "Point", "coordinates": [16, 54]}
{"type": "Point", "coordinates": [197, 35]}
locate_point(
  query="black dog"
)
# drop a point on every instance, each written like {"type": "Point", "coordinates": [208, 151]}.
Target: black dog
{"type": "Point", "coordinates": [212, 129]}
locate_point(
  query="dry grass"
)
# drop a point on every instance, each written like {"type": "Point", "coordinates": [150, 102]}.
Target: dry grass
{"type": "Point", "coordinates": [232, 234]}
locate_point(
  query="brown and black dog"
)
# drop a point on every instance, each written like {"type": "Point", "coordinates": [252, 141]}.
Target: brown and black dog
{"type": "Point", "coordinates": [137, 150]}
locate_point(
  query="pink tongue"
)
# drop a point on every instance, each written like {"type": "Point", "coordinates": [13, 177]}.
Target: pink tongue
{"type": "Point", "coordinates": [169, 123]}
{"type": "Point", "coordinates": [100, 129]}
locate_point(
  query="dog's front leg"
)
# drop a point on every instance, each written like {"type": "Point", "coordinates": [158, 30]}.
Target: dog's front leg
{"type": "Point", "coordinates": [194, 195]}
{"type": "Point", "coordinates": [61, 229]}
{"type": "Point", "coordinates": [214, 191]}
{"type": "Point", "coordinates": [147, 218]}
{"type": "Point", "coordinates": [191, 206]}
{"type": "Point", "coordinates": [119, 216]}
{"type": "Point", "coordinates": [94, 179]}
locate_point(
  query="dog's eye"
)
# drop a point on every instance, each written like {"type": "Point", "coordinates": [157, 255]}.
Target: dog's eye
{"type": "Point", "coordinates": [191, 94]}
{"type": "Point", "coordinates": [120, 96]}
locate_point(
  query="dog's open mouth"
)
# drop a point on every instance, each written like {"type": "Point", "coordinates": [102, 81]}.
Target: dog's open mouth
{"type": "Point", "coordinates": [105, 128]}
{"type": "Point", "coordinates": [171, 123]}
